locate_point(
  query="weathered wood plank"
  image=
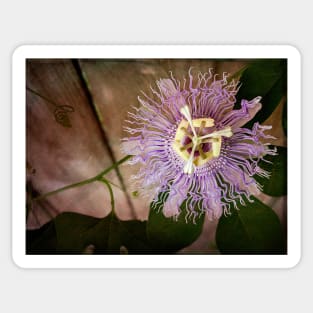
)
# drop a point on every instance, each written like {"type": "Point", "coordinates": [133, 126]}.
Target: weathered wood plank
{"type": "Point", "coordinates": [64, 144]}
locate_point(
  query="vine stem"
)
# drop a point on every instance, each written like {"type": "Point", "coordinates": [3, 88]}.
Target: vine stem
{"type": "Point", "coordinates": [103, 180]}
{"type": "Point", "coordinates": [86, 181]}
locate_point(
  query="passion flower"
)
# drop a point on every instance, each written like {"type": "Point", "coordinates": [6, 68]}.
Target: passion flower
{"type": "Point", "coordinates": [192, 146]}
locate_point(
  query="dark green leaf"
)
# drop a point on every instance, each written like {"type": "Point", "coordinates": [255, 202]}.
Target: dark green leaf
{"type": "Point", "coordinates": [71, 233]}
{"type": "Point", "coordinates": [134, 237]}
{"type": "Point", "coordinates": [265, 78]}
{"type": "Point", "coordinates": [253, 229]}
{"type": "Point", "coordinates": [42, 240]}
{"type": "Point", "coordinates": [276, 185]}
{"type": "Point", "coordinates": [167, 235]}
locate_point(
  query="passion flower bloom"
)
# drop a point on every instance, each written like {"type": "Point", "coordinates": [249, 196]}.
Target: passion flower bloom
{"type": "Point", "coordinates": [191, 145]}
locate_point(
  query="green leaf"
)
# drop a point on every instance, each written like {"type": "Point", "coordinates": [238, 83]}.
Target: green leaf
{"type": "Point", "coordinates": [265, 78]}
{"type": "Point", "coordinates": [71, 233]}
{"type": "Point", "coordinates": [42, 240]}
{"type": "Point", "coordinates": [276, 185]}
{"type": "Point", "coordinates": [167, 235]}
{"type": "Point", "coordinates": [134, 237]}
{"type": "Point", "coordinates": [253, 229]}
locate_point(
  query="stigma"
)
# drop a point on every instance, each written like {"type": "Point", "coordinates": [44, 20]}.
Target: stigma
{"type": "Point", "coordinates": [197, 141]}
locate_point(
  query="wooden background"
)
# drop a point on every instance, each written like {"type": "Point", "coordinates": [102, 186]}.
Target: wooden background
{"type": "Point", "coordinates": [75, 116]}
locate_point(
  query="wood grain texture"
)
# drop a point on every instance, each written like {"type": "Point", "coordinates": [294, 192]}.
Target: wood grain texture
{"type": "Point", "coordinates": [59, 155]}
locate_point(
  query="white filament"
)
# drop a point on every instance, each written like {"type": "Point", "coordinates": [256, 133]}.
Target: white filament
{"type": "Point", "coordinates": [186, 113]}
{"type": "Point", "coordinates": [226, 132]}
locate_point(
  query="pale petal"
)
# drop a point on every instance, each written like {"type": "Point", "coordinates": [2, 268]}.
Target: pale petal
{"type": "Point", "coordinates": [167, 87]}
{"type": "Point", "coordinates": [238, 118]}
{"type": "Point", "coordinates": [171, 208]}
{"type": "Point", "coordinates": [131, 147]}
{"type": "Point", "coordinates": [177, 195]}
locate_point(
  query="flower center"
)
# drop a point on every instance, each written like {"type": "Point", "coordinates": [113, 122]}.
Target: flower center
{"type": "Point", "coordinates": [196, 140]}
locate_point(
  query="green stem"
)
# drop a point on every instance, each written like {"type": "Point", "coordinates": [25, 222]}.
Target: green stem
{"type": "Point", "coordinates": [103, 180]}
{"type": "Point", "coordinates": [116, 164]}
{"type": "Point", "coordinates": [86, 181]}
{"type": "Point", "coordinates": [115, 185]}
